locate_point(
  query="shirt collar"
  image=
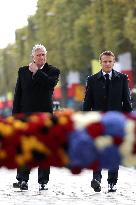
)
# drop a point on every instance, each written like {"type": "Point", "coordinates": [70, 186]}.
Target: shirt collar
{"type": "Point", "coordinates": [110, 74]}
{"type": "Point", "coordinates": [41, 67]}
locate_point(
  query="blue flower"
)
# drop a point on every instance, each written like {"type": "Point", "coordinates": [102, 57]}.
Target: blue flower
{"type": "Point", "coordinates": [114, 123]}
{"type": "Point", "coordinates": [110, 158]}
{"type": "Point", "coordinates": [82, 151]}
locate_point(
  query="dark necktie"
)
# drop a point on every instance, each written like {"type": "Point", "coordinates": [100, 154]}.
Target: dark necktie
{"type": "Point", "coordinates": [107, 82]}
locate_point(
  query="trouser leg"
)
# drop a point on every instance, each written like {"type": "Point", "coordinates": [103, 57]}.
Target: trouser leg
{"type": "Point", "coordinates": [112, 176]}
{"type": "Point", "coordinates": [23, 174]}
{"type": "Point", "coordinates": [43, 175]}
{"type": "Point", "coordinates": [97, 175]}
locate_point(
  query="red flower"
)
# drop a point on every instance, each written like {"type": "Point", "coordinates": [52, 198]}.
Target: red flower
{"type": "Point", "coordinates": [76, 170]}
{"type": "Point", "coordinates": [95, 129]}
{"type": "Point", "coordinates": [95, 165]}
{"type": "Point", "coordinates": [117, 140]}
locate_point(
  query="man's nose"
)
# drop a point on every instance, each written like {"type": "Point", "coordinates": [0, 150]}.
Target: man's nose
{"type": "Point", "coordinates": [107, 63]}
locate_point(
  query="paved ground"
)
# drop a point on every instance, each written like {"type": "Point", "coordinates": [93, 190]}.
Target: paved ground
{"type": "Point", "coordinates": [68, 189]}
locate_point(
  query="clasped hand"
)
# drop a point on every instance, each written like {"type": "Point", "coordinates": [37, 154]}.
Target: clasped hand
{"type": "Point", "coordinates": [33, 67]}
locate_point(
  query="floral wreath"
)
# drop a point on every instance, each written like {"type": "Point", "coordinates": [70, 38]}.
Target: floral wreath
{"type": "Point", "coordinates": [75, 140]}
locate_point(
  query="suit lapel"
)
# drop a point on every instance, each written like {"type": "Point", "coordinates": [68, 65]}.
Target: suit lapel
{"type": "Point", "coordinates": [115, 74]}
{"type": "Point", "coordinates": [46, 68]}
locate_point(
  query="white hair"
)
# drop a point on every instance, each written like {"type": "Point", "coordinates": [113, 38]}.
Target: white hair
{"type": "Point", "coordinates": [38, 46]}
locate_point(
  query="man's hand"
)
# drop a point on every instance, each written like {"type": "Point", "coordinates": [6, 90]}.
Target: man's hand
{"type": "Point", "coordinates": [33, 67]}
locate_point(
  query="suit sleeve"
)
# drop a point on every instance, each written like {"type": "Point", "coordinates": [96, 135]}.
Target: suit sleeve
{"type": "Point", "coordinates": [127, 104]}
{"type": "Point", "coordinates": [88, 100]}
{"type": "Point", "coordinates": [17, 96]}
{"type": "Point", "coordinates": [51, 80]}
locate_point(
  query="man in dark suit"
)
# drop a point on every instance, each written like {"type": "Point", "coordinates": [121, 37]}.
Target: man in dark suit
{"type": "Point", "coordinates": [107, 90]}
{"type": "Point", "coordinates": [33, 93]}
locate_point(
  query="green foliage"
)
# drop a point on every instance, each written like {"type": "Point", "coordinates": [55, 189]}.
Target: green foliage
{"type": "Point", "coordinates": [8, 69]}
{"type": "Point", "coordinates": [129, 27]}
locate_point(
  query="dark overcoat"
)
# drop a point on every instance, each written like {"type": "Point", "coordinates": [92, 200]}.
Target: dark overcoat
{"type": "Point", "coordinates": [119, 93]}
{"type": "Point", "coordinates": [33, 93]}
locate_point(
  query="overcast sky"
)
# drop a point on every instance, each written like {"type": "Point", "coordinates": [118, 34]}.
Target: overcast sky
{"type": "Point", "coordinates": [13, 15]}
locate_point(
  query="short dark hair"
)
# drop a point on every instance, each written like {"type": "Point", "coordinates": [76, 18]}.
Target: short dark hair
{"type": "Point", "coordinates": [106, 53]}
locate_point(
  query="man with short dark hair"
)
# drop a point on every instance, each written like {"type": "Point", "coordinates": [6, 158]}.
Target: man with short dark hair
{"type": "Point", "coordinates": [33, 93]}
{"type": "Point", "coordinates": [107, 90]}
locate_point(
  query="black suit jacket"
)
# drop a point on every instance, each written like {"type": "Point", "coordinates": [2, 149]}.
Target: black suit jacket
{"type": "Point", "coordinates": [119, 93]}
{"type": "Point", "coordinates": [34, 93]}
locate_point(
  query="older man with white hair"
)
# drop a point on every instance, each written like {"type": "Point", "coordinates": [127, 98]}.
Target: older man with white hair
{"type": "Point", "coordinates": [33, 93]}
